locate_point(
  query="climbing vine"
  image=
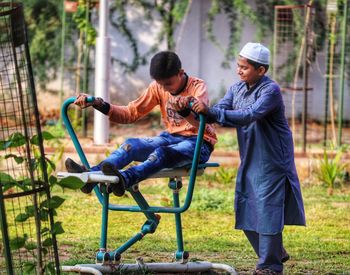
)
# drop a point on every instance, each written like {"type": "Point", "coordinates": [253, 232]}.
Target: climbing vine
{"type": "Point", "coordinates": [44, 20]}
{"type": "Point", "coordinates": [170, 12]}
{"type": "Point", "coordinates": [44, 28]}
{"type": "Point", "coordinates": [40, 210]}
{"type": "Point", "coordinates": [236, 11]}
{"type": "Point", "coordinates": [83, 24]}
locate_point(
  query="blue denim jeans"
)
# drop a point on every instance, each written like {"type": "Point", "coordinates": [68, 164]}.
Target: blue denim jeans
{"type": "Point", "coordinates": [154, 154]}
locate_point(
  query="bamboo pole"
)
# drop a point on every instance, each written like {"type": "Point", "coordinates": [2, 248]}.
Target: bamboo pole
{"type": "Point", "coordinates": [331, 77]}
{"type": "Point", "coordinates": [342, 73]}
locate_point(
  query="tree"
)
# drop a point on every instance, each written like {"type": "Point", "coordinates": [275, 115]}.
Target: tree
{"type": "Point", "coordinates": [44, 28]}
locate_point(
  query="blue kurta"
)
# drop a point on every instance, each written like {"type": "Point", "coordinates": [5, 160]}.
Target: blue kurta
{"type": "Point", "coordinates": [268, 194]}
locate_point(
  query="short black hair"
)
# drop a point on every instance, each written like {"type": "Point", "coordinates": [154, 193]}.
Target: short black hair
{"type": "Point", "coordinates": [164, 64]}
{"type": "Point", "coordinates": [256, 65]}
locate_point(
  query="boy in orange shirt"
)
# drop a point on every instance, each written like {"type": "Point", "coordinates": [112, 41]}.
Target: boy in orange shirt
{"type": "Point", "coordinates": [171, 90]}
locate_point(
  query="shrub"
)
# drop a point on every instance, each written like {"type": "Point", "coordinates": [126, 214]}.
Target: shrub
{"type": "Point", "coordinates": [212, 200]}
{"type": "Point", "coordinates": [331, 169]}
{"type": "Point", "coordinates": [227, 141]}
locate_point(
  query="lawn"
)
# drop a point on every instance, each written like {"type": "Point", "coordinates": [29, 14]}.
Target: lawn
{"type": "Point", "coordinates": [322, 247]}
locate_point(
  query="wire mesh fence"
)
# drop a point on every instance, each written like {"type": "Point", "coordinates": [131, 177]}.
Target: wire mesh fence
{"type": "Point", "coordinates": [292, 39]}
{"type": "Point", "coordinates": [299, 47]}
{"type": "Point", "coordinates": [28, 237]}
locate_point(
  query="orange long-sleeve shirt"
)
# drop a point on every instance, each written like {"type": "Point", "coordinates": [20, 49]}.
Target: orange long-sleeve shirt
{"type": "Point", "coordinates": [174, 123]}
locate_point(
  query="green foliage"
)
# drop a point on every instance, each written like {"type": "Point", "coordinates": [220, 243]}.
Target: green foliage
{"type": "Point", "coordinates": [44, 24]}
{"type": "Point", "coordinates": [84, 25]}
{"type": "Point", "coordinates": [236, 11]}
{"type": "Point", "coordinates": [45, 135]}
{"type": "Point", "coordinates": [118, 19]}
{"type": "Point", "coordinates": [226, 175]}
{"type": "Point", "coordinates": [223, 175]}
{"type": "Point", "coordinates": [331, 168]}
{"type": "Point", "coordinates": [15, 140]}
{"type": "Point", "coordinates": [18, 242]}
{"type": "Point", "coordinates": [44, 29]}
{"type": "Point", "coordinates": [212, 200]}
{"type": "Point", "coordinates": [171, 13]}
{"type": "Point", "coordinates": [29, 267]}
{"type": "Point", "coordinates": [227, 141]}
{"type": "Point", "coordinates": [57, 130]}
{"type": "Point", "coordinates": [18, 142]}
{"type": "Point", "coordinates": [71, 183]}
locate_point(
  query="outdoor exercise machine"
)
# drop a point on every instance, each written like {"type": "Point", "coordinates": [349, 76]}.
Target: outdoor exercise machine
{"type": "Point", "coordinates": [109, 261]}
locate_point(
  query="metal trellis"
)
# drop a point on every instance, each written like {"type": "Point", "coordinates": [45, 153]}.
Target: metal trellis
{"type": "Point", "coordinates": [26, 217]}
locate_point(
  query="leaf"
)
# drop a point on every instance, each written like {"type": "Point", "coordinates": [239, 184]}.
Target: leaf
{"type": "Point", "coordinates": [35, 140]}
{"type": "Point", "coordinates": [2, 144]}
{"type": "Point", "coordinates": [30, 210]}
{"type": "Point", "coordinates": [54, 212]}
{"type": "Point", "coordinates": [57, 228]}
{"type": "Point", "coordinates": [21, 217]}
{"type": "Point", "coordinates": [44, 215]}
{"type": "Point", "coordinates": [34, 163]}
{"type": "Point", "coordinates": [53, 202]}
{"type": "Point", "coordinates": [17, 159]}
{"type": "Point", "coordinates": [30, 246]}
{"type": "Point", "coordinates": [50, 268]}
{"type": "Point", "coordinates": [44, 231]}
{"type": "Point", "coordinates": [47, 242]}
{"type": "Point", "coordinates": [45, 136]}
{"type": "Point", "coordinates": [51, 164]}
{"type": "Point", "coordinates": [26, 182]}
{"type": "Point", "coordinates": [17, 243]}
{"type": "Point", "coordinates": [16, 140]}
{"type": "Point", "coordinates": [6, 179]}
{"type": "Point", "coordinates": [71, 183]}
{"type": "Point", "coordinates": [29, 267]}
{"type": "Point", "coordinates": [52, 180]}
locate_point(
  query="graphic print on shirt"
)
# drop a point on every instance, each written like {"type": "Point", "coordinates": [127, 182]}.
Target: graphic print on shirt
{"type": "Point", "coordinates": [172, 116]}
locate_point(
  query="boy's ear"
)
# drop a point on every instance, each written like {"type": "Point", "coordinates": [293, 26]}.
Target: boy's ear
{"type": "Point", "coordinates": [261, 70]}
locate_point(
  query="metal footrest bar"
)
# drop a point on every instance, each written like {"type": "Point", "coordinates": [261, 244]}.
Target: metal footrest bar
{"type": "Point", "coordinates": [190, 267]}
{"type": "Point", "coordinates": [98, 176]}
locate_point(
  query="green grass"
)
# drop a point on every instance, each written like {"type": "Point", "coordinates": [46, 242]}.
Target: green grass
{"type": "Point", "coordinates": [322, 247]}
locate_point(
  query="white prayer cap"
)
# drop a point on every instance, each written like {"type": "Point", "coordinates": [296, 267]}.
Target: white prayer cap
{"type": "Point", "coordinates": [256, 52]}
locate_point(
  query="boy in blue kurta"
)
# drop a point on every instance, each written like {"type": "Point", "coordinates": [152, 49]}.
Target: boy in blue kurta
{"type": "Point", "coordinates": [267, 195]}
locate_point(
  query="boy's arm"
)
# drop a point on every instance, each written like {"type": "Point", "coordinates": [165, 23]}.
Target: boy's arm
{"type": "Point", "coordinates": [192, 118]}
{"type": "Point", "coordinates": [267, 102]}
{"type": "Point", "coordinates": [200, 95]}
{"type": "Point", "coordinates": [224, 104]}
{"type": "Point", "coordinates": [135, 109]}
{"type": "Point", "coordinates": [122, 114]}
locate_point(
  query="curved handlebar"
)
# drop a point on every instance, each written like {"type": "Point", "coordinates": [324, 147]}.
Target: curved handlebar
{"type": "Point", "coordinates": [90, 99]}
{"type": "Point", "coordinates": [71, 132]}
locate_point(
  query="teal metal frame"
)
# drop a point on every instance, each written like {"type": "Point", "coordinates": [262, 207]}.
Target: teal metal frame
{"type": "Point", "coordinates": [150, 212]}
